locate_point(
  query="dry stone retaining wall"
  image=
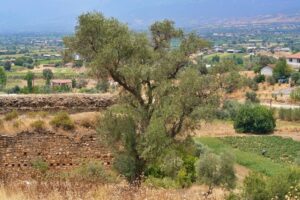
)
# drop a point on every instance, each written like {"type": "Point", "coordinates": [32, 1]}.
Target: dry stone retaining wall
{"type": "Point", "coordinates": [60, 152]}
{"type": "Point", "coordinates": [54, 102]}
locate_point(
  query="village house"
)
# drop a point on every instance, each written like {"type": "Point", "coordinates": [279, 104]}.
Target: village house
{"type": "Point", "coordinates": [267, 70]}
{"type": "Point", "coordinates": [294, 61]}
{"type": "Point", "coordinates": [48, 65]}
{"type": "Point", "coordinates": [62, 82]}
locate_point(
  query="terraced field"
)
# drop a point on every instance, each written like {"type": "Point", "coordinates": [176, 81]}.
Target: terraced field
{"type": "Point", "coordinates": [269, 155]}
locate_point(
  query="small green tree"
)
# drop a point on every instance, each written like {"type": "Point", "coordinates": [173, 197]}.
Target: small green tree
{"type": "Point", "coordinates": [251, 97]}
{"type": "Point", "coordinates": [281, 69]}
{"type": "Point", "coordinates": [3, 78]}
{"type": "Point", "coordinates": [216, 170]}
{"type": "Point", "coordinates": [254, 119]}
{"type": "Point", "coordinates": [215, 59]}
{"type": "Point", "coordinates": [7, 66]}
{"type": "Point", "coordinates": [30, 80]}
{"type": "Point", "coordinates": [48, 75]}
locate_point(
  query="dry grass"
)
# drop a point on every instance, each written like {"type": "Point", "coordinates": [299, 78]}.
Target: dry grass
{"type": "Point", "coordinates": [83, 122]}
{"type": "Point", "coordinates": [89, 191]}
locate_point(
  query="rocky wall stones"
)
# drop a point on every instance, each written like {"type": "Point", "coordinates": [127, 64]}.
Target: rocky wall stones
{"type": "Point", "coordinates": [17, 153]}
{"type": "Point", "coordinates": [53, 102]}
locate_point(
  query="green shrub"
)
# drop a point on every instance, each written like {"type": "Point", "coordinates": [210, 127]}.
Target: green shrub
{"type": "Point", "coordinates": [38, 125]}
{"type": "Point", "coordinates": [257, 187]}
{"type": "Point", "coordinates": [103, 86]}
{"type": "Point", "coordinates": [125, 165]}
{"type": "Point", "coordinates": [40, 165]}
{"type": "Point", "coordinates": [12, 115]}
{"type": "Point", "coordinates": [215, 170]}
{"type": "Point", "coordinates": [295, 95]}
{"type": "Point", "coordinates": [289, 114]}
{"type": "Point", "coordinates": [62, 120]}
{"type": "Point", "coordinates": [271, 80]}
{"type": "Point", "coordinates": [254, 119]}
{"type": "Point", "coordinates": [259, 78]}
{"type": "Point", "coordinates": [252, 97]}
{"type": "Point", "coordinates": [229, 110]}
{"type": "Point", "coordinates": [92, 171]}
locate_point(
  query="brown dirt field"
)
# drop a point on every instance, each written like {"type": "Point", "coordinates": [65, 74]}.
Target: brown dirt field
{"type": "Point", "coordinates": [225, 128]}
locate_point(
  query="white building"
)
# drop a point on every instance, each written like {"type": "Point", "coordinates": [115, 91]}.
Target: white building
{"type": "Point", "coordinates": [267, 71]}
{"type": "Point", "coordinates": [294, 61]}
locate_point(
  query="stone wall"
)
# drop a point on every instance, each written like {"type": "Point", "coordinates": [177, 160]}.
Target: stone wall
{"type": "Point", "coordinates": [60, 152]}
{"type": "Point", "coordinates": [53, 102]}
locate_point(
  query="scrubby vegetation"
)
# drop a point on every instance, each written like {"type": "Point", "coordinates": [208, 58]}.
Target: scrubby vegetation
{"type": "Point", "coordinates": [289, 114]}
{"type": "Point", "coordinates": [282, 186]}
{"type": "Point", "coordinates": [62, 120]}
{"type": "Point", "coordinates": [254, 119]}
{"type": "Point", "coordinates": [215, 170]}
{"type": "Point", "coordinates": [295, 95]}
{"type": "Point", "coordinates": [11, 115]}
{"type": "Point", "coordinates": [40, 165]}
{"type": "Point", "coordinates": [38, 125]}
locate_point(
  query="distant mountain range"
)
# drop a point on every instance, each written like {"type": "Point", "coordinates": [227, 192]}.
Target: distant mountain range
{"type": "Point", "coordinates": [60, 15]}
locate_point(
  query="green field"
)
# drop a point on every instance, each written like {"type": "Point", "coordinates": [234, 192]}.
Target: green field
{"type": "Point", "coordinates": [59, 73]}
{"type": "Point", "coordinates": [278, 149]}
{"type": "Point", "coordinates": [249, 158]}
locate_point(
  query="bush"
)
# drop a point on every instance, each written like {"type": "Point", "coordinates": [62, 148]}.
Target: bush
{"type": "Point", "coordinates": [103, 86]}
{"type": "Point", "coordinates": [271, 80]}
{"type": "Point", "coordinates": [289, 114]}
{"type": "Point", "coordinates": [252, 97]}
{"type": "Point", "coordinates": [62, 120]}
{"type": "Point", "coordinates": [216, 170]}
{"type": "Point", "coordinates": [92, 171]}
{"type": "Point", "coordinates": [253, 85]}
{"type": "Point", "coordinates": [257, 187]}
{"type": "Point", "coordinates": [14, 90]}
{"type": "Point", "coordinates": [259, 78]}
{"type": "Point", "coordinates": [40, 165]}
{"type": "Point", "coordinates": [12, 115]}
{"type": "Point", "coordinates": [295, 95]}
{"type": "Point", "coordinates": [229, 110]}
{"type": "Point", "coordinates": [254, 119]}
{"type": "Point", "coordinates": [88, 123]}
{"type": "Point", "coordinates": [38, 125]}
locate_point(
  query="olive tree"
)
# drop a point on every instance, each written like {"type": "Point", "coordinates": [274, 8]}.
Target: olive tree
{"type": "Point", "coordinates": [3, 78]}
{"type": "Point", "coordinates": [48, 75]}
{"type": "Point", "coordinates": [162, 95]}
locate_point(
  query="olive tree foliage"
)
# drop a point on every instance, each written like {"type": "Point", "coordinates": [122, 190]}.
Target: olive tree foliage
{"type": "Point", "coordinates": [48, 75]}
{"type": "Point", "coordinates": [215, 170]}
{"type": "Point", "coordinates": [162, 96]}
{"type": "Point", "coordinates": [3, 78]}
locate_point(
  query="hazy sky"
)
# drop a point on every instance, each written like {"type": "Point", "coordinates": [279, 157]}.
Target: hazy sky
{"type": "Point", "coordinates": [60, 15]}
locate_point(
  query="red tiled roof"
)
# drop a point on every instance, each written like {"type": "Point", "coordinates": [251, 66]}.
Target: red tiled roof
{"type": "Point", "coordinates": [295, 56]}
{"type": "Point", "coordinates": [61, 81]}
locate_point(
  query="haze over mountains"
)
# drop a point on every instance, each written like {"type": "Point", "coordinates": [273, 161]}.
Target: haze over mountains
{"type": "Point", "coordinates": [60, 15]}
